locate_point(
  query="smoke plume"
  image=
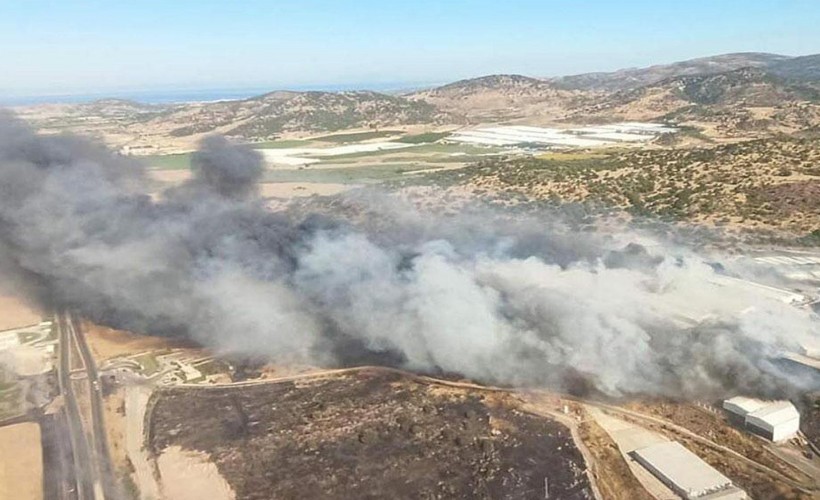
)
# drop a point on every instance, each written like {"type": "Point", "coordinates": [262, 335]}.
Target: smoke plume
{"type": "Point", "coordinates": [525, 301]}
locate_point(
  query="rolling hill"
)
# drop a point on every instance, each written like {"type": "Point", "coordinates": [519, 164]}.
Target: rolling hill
{"type": "Point", "coordinates": [638, 77]}
{"type": "Point", "coordinates": [500, 97]}
{"type": "Point", "coordinates": [738, 102]}
{"type": "Point", "coordinates": [730, 95]}
{"type": "Point", "coordinates": [268, 115]}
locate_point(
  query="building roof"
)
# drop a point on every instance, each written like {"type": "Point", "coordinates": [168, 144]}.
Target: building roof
{"type": "Point", "coordinates": [682, 469]}
{"type": "Point", "coordinates": [776, 413]}
{"type": "Point", "coordinates": [742, 405]}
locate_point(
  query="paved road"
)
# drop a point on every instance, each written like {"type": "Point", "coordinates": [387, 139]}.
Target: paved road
{"type": "Point", "coordinates": [102, 454]}
{"type": "Point", "coordinates": [83, 488]}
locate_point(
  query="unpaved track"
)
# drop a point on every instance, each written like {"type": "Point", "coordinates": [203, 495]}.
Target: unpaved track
{"type": "Point", "coordinates": [136, 402]}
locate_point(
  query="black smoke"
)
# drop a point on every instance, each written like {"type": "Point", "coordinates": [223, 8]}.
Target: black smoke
{"type": "Point", "coordinates": [514, 301]}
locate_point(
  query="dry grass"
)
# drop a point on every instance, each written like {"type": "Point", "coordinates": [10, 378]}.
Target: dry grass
{"type": "Point", "coordinates": [15, 313]}
{"type": "Point", "coordinates": [21, 462]}
{"type": "Point", "coordinates": [107, 343]}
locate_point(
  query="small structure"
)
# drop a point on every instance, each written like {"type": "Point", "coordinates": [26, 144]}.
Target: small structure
{"type": "Point", "coordinates": [685, 473]}
{"type": "Point", "coordinates": [774, 420]}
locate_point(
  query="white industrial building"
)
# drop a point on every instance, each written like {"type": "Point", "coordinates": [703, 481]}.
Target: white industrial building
{"type": "Point", "coordinates": [685, 473]}
{"type": "Point", "coordinates": [774, 420]}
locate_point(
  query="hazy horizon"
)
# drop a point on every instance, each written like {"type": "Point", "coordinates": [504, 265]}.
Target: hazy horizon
{"type": "Point", "coordinates": [94, 47]}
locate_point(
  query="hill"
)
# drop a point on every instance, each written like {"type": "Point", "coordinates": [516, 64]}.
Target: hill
{"type": "Point", "coordinates": [803, 68]}
{"type": "Point", "coordinates": [734, 103]}
{"type": "Point", "coordinates": [266, 116]}
{"type": "Point", "coordinates": [500, 97]}
{"type": "Point", "coordinates": [762, 185]}
{"type": "Point", "coordinates": [638, 77]}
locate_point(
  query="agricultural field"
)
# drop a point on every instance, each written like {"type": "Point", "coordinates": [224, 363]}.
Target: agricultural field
{"type": "Point", "coordinates": [332, 163]}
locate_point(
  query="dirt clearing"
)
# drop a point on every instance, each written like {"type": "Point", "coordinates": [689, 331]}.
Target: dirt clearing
{"type": "Point", "coordinates": [21, 462]}
{"type": "Point", "coordinates": [15, 313]}
{"type": "Point", "coordinates": [188, 475]}
{"type": "Point", "coordinates": [107, 343]}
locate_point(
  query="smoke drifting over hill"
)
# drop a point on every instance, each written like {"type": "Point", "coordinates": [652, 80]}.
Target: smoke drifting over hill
{"type": "Point", "coordinates": [525, 303]}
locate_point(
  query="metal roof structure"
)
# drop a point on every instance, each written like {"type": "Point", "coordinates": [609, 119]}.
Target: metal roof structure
{"type": "Point", "coordinates": [682, 470]}
{"type": "Point", "coordinates": [775, 420]}
{"type": "Point", "coordinates": [774, 414]}
{"type": "Point", "coordinates": [742, 406]}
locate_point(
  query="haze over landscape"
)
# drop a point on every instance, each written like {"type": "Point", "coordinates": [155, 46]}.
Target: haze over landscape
{"type": "Point", "coordinates": [429, 250]}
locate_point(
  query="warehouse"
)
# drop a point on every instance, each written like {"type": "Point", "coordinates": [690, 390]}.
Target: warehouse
{"type": "Point", "coordinates": [774, 420]}
{"type": "Point", "coordinates": [684, 472]}
{"type": "Point", "coordinates": [778, 421]}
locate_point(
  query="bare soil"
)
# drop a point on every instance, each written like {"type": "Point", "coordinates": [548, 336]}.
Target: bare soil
{"type": "Point", "coordinates": [14, 313]}
{"type": "Point", "coordinates": [106, 343]}
{"type": "Point", "coordinates": [370, 435]}
{"type": "Point", "coordinates": [21, 462]}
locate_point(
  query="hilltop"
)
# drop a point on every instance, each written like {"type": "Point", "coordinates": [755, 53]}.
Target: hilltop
{"type": "Point", "coordinates": [266, 116]}
{"type": "Point", "coordinates": [500, 96]}
{"type": "Point", "coordinates": [732, 103]}
{"type": "Point", "coordinates": [734, 96]}
{"type": "Point", "coordinates": [637, 77]}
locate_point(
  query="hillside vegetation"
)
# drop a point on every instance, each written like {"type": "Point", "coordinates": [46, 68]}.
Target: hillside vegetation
{"type": "Point", "coordinates": [762, 184]}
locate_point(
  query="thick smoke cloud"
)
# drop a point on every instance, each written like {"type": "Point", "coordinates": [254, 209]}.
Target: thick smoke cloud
{"type": "Point", "coordinates": [514, 302]}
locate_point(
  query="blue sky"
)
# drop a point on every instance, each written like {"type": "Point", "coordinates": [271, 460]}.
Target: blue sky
{"type": "Point", "coordinates": [90, 46]}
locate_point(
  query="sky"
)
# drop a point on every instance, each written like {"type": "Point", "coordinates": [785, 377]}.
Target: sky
{"type": "Point", "coordinates": [63, 47]}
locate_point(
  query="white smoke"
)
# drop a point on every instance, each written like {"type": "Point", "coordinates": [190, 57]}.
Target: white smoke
{"type": "Point", "coordinates": [523, 301]}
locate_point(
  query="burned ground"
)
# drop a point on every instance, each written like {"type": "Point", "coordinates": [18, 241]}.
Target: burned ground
{"type": "Point", "coordinates": [810, 418]}
{"type": "Point", "coordinates": [370, 435]}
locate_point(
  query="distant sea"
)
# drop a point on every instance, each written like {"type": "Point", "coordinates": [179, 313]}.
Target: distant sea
{"type": "Point", "coordinates": [171, 96]}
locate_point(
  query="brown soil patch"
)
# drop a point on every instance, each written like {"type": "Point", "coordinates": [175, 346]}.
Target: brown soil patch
{"type": "Point", "coordinates": [188, 475]}
{"type": "Point", "coordinates": [21, 462]}
{"type": "Point", "coordinates": [370, 435]}
{"type": "Point", "coordinates": [114, 407]}
{"type": "Point", "coordinates": [790, 197]}
{"type": "Point", "coordinates": [106, 343]}
{"type": "Point", "coordinates": [15, 313]}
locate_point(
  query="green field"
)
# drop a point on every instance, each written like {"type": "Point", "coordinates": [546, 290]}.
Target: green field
{"type": "Point", "coordinates": [369, 174]}
{"type": "Point", "coordinates": [26, 337]}
{"type": "Point", "coordinates": [149, 363]}
{"type": "Point", "coordinates": [282, 144]}
{"type": "Point", "coordinates": [9, 400]}
{"type": "Point", "coordinates": [357, 136]}
{"type": "Point", "coordinates": [181, 161]}
{"type": "Point", "coordinates": [422, 152]}
{"type": "Point", "coordinates": [424, 138]}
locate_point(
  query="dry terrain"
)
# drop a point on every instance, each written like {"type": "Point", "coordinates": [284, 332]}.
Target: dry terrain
{"type": "Point", "coordinates": [21, 462]}
{"type": "Point", "coordinates": [14, 313]}
{"type": "Point", "coordinates": [106, 343]}
{"type": "Point", "coordinates": [372, 435]}
{"type": "Point", "coordinates": [764, 185]}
